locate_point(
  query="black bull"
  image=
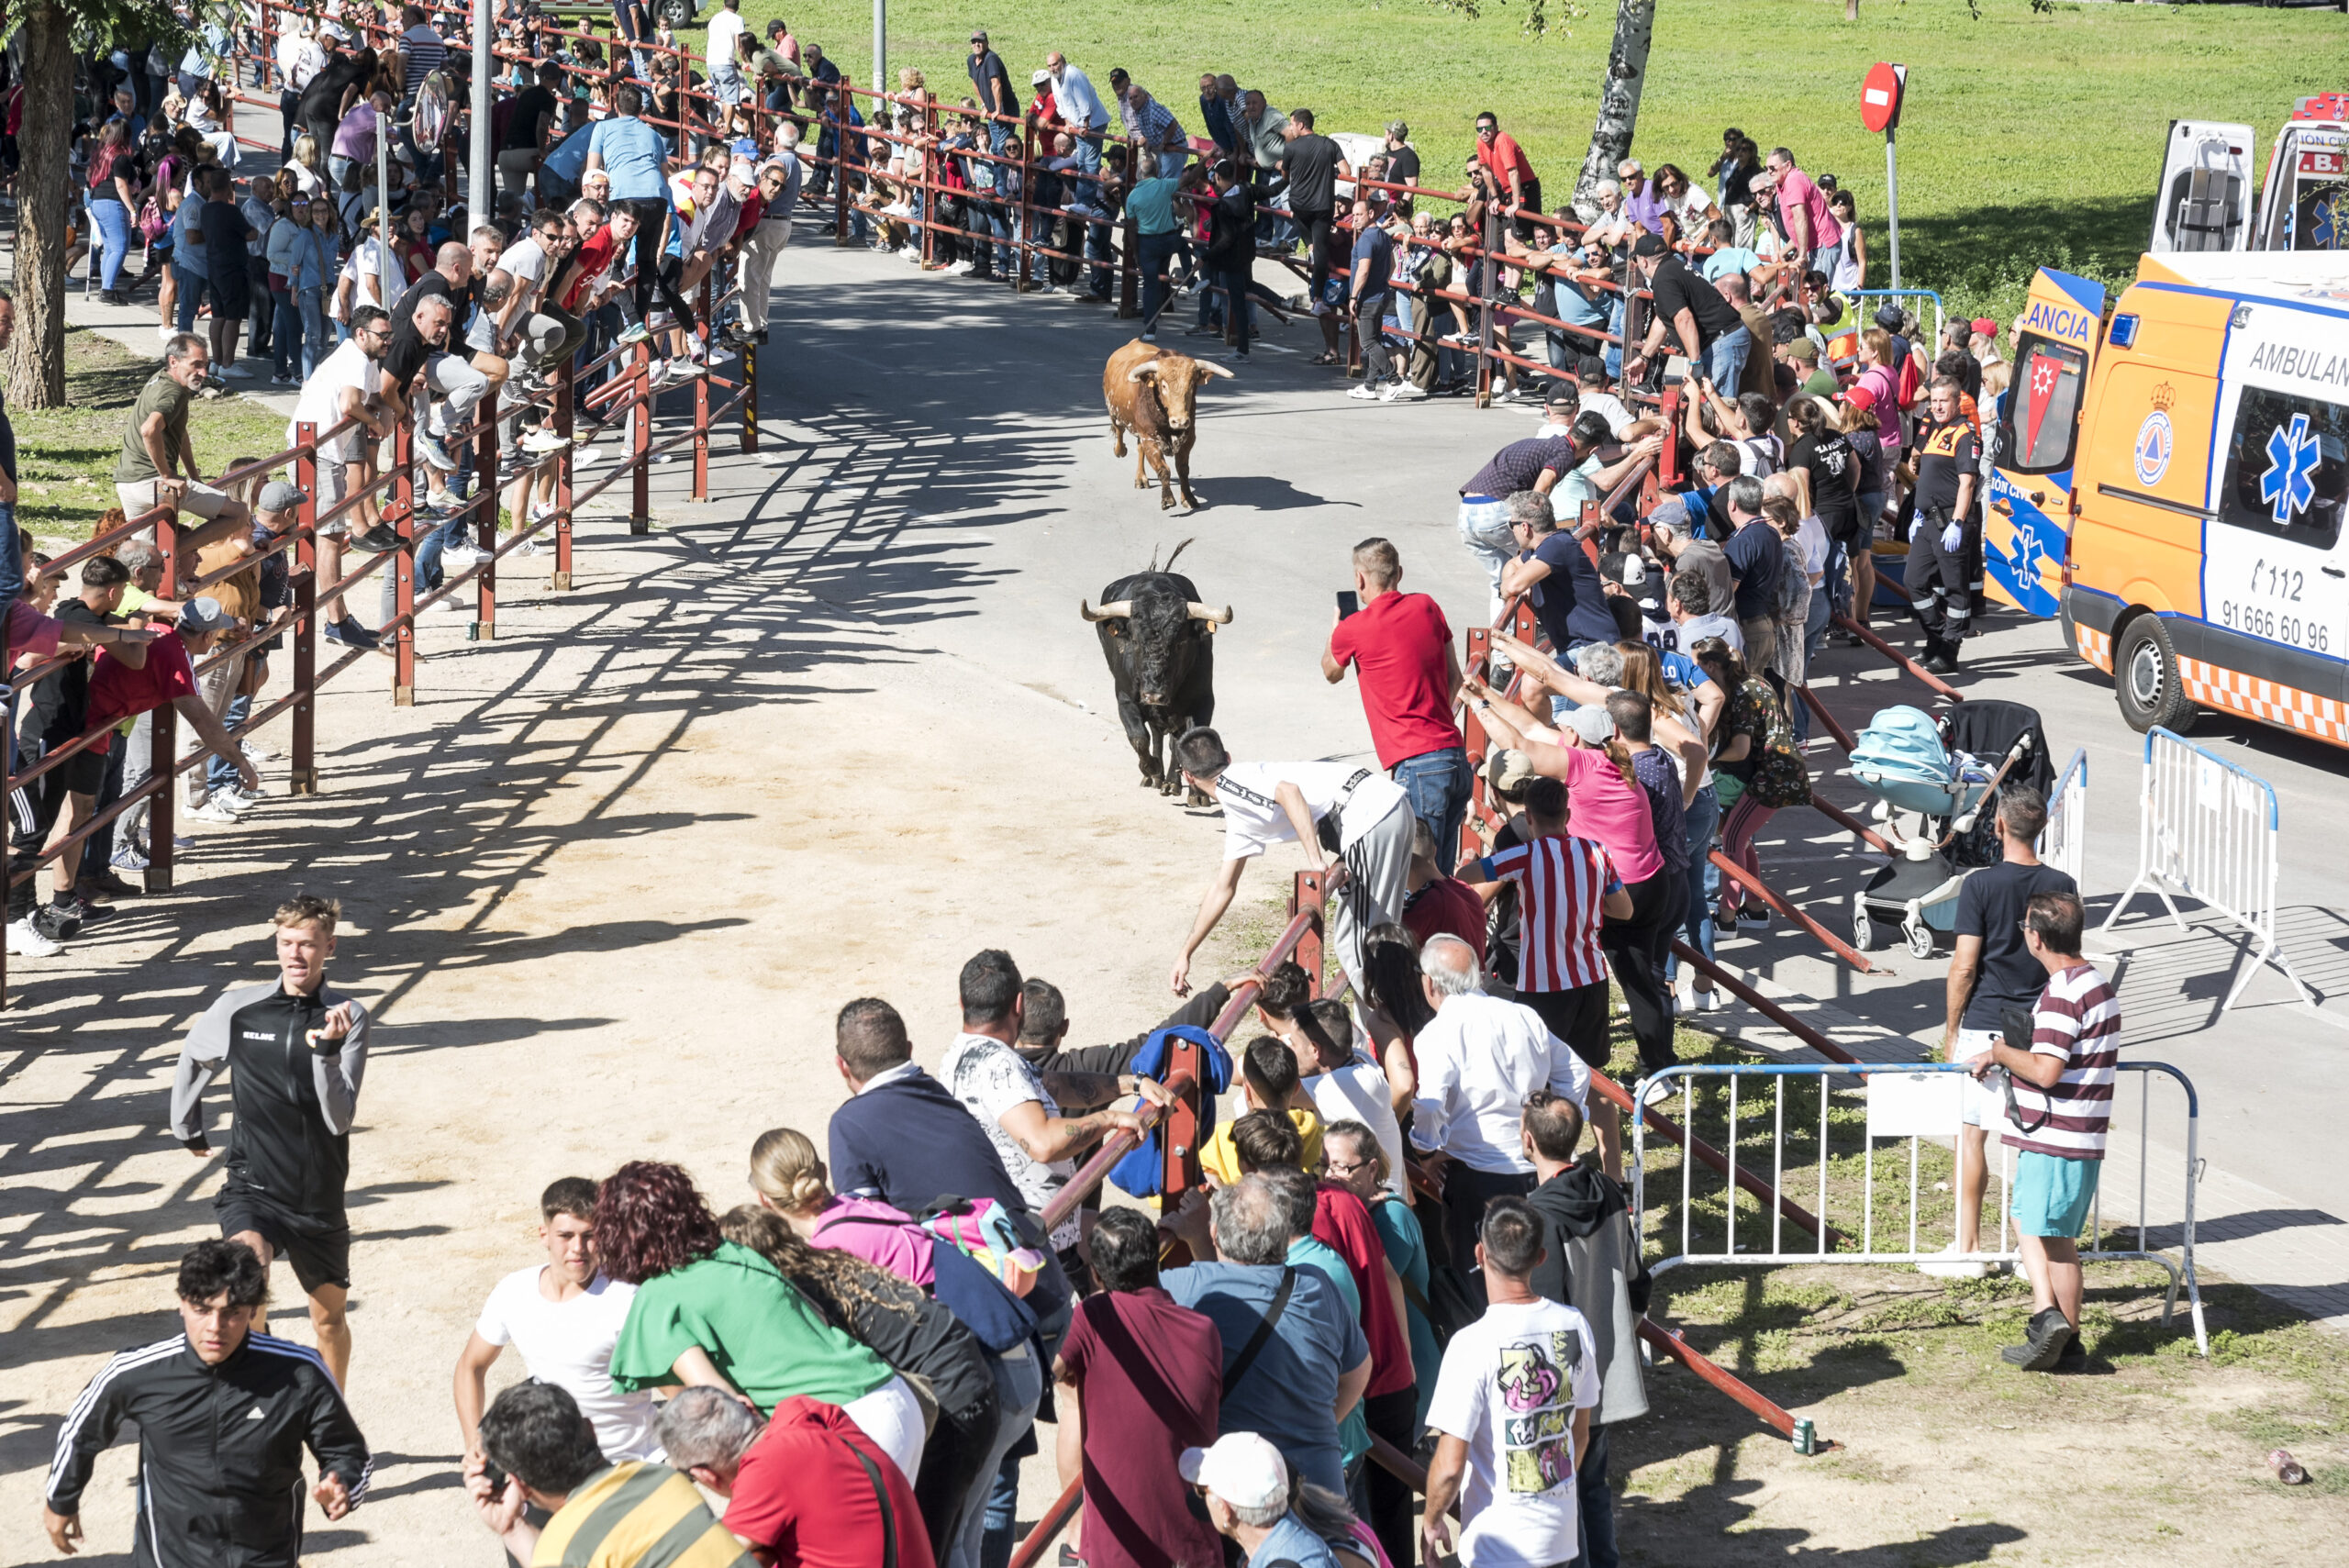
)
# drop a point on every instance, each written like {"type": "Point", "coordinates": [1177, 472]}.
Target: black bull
{"type": "Point", "coordinates": [1158, 641]}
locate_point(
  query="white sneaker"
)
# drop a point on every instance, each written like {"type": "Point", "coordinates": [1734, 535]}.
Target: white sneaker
{"type": "Point", "coordinates": [451, 606]}
{"type": "Point", "coordinates": [585, 456]}
{"type": "Point", "coordinates": [1363, 393]}
{"type": "Point", "coordinates": [1956, 1267]}
{"type": "Point", "coordinates": [215, 809]}
{"type": "Point", "coordinates": [462, 557]}
{"type": "Point", "coordinates": [237, 373]}
{"type": "Point", "coordinates": [1404, 392]}
{"type": "Point", "coordinates": [539, 512]}
{"type": "Point", "coordinates": [256, 751]}
{"type": "Point", "coordinates": [685, 370]}
{"type": "Point", "coordinates": [543, 442]}
{"type": "Point", "coordinates": [962, 269]}
{"type": "Point", "coordinates": [25, 943]}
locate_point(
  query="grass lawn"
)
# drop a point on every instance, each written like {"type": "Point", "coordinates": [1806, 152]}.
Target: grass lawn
{"type": "Point", "coordinates": [2028, 137]}
{"type": "Point", "coordinates": [65, 457]}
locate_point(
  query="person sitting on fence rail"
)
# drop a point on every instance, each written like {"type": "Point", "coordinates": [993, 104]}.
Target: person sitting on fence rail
{"type": "Point", "coordinates": [1138, 1380]}
{"type": "Point", "coordinates": [2057, 1120]}
{"type": "Point", "coordinates": [1513, 1408]}
{"type": "Point", "coordinates": [158, 465]}
{"type": "Point", "coordinates": [1295, 1361]}
{"type": "Point", "coordinates": [1591, 1262]}
{"type": "Point", "coordinates": [1268, 1082]}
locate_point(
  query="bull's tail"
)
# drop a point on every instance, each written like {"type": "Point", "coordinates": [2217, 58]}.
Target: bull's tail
{"type": "Point", "coordinates": [1179, 549]}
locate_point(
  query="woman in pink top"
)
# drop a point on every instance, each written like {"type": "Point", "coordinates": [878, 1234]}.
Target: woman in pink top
{"type": "Point", "coordinates": [1882, 378]}
{"type": "Point", "coordinates": [789, 1178]}
{"type": "Point", "coordinates": [1606, 804]}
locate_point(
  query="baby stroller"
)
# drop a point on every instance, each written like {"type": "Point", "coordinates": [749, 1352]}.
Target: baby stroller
{"type": "Point", "coordinates": [1932, 785]}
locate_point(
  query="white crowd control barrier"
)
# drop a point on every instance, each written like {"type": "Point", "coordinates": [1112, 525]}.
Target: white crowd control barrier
{"type": "Point", "coordinates": [2210, 830]}
{"type": "Point", "coordinates": [1867, 1218]}
{"type": "Point", "coordinates": [2064, 843]}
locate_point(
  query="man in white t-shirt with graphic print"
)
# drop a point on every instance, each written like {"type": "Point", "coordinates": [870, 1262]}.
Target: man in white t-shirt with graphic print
{"type": "Point", "coordinates": [1358, 812]}
{"type": "Point", "coordinates": [1511, 1413]}
{"type": "Point", "coordinates": [564, 1318]}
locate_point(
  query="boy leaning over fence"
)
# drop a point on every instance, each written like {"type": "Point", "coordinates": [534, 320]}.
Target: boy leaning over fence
{"type": "Point", "coordinates": [2058, 1108]}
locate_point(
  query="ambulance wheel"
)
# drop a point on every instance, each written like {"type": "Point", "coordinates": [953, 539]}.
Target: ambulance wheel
{"type": "Point", "coordinates": [677, 13]}
{"type": "Point", "coordinates": [2145, 679]}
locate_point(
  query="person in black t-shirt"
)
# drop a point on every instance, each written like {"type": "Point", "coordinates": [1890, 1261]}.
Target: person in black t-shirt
{"type": "Point", "coordinates": [1312, 165]}
{"type": "Point", "coordinates": [1945, 540]}
{"type": "Point", "coordinates": [225, 234]}
{"type": "Point", "coordinates": [56, 714]}
{"type": "Point", "coordinates": [526, 126]}
{"type": "Point", "coordinates": [1706, 326]}
{"type": "Point", "coordinates": [1402, 158]}
{"type": "Point", "coordinates": [1829, 470]}
{"type": "Point", "coordinates": [1992, 973]}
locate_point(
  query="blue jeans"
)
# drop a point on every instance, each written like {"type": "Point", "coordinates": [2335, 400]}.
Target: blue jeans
{"type": "Point", "coordinates": [219, 773]}
{"type": "Point", "coordinates": [316, 341]}
{"type": "Point", "coordinates": [191, 287]}
{"type": "Point", "coordinates": [1153, 254]}
{"type": "Point", "coordinates": [1702, 820]}
{"type": "Point", "coordinates": [112, 220]}
{"type": "Point", "coordinates": [291, 331]}
{"type": "Point", "coordinates": [1615, 349]}
{"type": "Point", "coordinates": [1598, 1510]}
{"type": "Point", "coordinates": [1725, 360]}
{"type": "Point", "coordinates": [1437, 785]}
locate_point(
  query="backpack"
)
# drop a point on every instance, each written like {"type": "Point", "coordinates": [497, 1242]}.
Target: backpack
{"type": "Point", "coordinates": [1912, 381]}
{"type": "Point", "coordinates": [988, 1234]}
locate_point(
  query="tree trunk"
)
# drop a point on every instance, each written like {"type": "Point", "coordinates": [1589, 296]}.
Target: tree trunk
{"type": "Point", "coordinates": [1618, 101]}
{"type": "Point", "coordinates": [36, 357]}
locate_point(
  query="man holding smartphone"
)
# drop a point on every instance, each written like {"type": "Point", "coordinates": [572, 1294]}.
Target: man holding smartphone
{"type": "Point", "coordinates": [1400, 647]}
{"type": "Point", "coordinates": [298, 1052]}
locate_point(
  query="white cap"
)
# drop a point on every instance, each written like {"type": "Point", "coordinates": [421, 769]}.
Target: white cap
{"type": "Point", "coordinates": [1242, 1468]}
{"type": "Point", "coordinates": [1593, 724]}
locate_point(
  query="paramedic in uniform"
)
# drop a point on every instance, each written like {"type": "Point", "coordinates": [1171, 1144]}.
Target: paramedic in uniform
{"type": "Point", "coordinates": [1945, 540]}
{"type": "Point", "coordinates": [297, 1051]}
{"type": "Point", "coordinates": [1356, 813]}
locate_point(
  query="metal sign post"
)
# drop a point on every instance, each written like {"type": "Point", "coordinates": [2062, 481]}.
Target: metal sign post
{"type": "Point", "coordinates": [1880, 97]}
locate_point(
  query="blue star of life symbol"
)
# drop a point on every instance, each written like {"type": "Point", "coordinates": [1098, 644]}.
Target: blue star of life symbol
{"type": "Point", "coordinates": [2289, 483]}
{"type": "Point", "coordinates": [2028, 553]}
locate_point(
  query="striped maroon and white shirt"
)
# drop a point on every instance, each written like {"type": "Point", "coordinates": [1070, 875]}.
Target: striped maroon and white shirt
{"type": "Point", "coordinates": [1560, 882]}
{"type": "Point", "coordinates": [2077, 1019]}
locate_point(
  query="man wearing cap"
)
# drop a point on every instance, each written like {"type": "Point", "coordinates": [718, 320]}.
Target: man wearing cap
{"type": "Point", "coordinates": [1707, 326]}
{"type": "Point", "coordinates": [1592, 389]}
{"type": "Point", "coordinates": [992, 83]}
{"type": "Point", "coordinates": [1245, 1484]}
{"type": "Point", "coordinates": [1812, 380]}
{"type": "Point", "coordinates": [250, 596]}
{"type": "Point", "coordinates": [769, 237]}
{"type": "Point", "coordinates": [1537, 465]}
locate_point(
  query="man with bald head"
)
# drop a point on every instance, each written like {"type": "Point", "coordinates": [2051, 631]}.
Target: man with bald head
{"type": "Point", "coordinates": [1478, 1060]}
{"type": "Point", "coordinates": [457, 376]}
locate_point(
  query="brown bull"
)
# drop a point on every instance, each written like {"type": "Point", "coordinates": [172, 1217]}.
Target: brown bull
{"type": "Point", "coordinates": [1152, 393]}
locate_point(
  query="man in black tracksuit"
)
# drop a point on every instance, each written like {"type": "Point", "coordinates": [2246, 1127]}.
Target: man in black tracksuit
{"type": "Point", "coordinates": [297, 1051]}
{"type": "Point", "coordinates": [223, 1415]}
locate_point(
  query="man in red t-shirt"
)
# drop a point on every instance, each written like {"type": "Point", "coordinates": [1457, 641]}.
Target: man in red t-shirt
{"type": "Point", "coordinates": [808, 1488]}
{"type": "Point", "coordinates": [1401, 646]}
{"type": "Point", "coordinates": [1499, 152]}
{"type": "Point", "coordinates": [1437, 901]}
{"type": "Point", "coordinates": [1138, 1380]}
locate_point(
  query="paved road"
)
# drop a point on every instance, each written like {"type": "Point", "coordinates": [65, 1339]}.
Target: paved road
{"type": "Point", "coordinates": [961, 487]}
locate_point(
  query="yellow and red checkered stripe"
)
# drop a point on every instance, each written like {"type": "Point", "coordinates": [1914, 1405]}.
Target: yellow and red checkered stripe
{"type": "Point", "coordinates": [2096, 647]}
{"type": "Point", "coordinates": [2267, 701]}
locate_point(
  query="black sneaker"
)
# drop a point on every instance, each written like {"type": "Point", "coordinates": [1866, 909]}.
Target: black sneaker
{"type": "Point", "coordinates": [57, 925]}
{"type": "Point", "coordinates": [81, 911]}
{"type": "Point", "coordinates": [381, 539]}
{"type": "Point", "coordinates": [2074, 1357]}
{"type": "Point", "coordinates": [2048, 1334]}
{"type": "Point", "coordinates": [351, 634]}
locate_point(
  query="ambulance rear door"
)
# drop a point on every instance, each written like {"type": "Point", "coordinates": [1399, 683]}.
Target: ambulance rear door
{"type": "Point", "coordinates": [2027, 528]}
{"type": "Point", "coordinates": [2204, 200]}
{"type": "Point", "coordinates": [2305, 205]}
{"type": "Point", "coordinates": [2275, 558]}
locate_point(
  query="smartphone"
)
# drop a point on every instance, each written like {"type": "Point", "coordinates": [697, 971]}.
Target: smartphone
{"type": "Point", "coordinates": [1348, 602]}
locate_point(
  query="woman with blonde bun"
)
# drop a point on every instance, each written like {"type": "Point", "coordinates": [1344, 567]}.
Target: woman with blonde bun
{"type": "Point", "coordinates": [789, 1180]}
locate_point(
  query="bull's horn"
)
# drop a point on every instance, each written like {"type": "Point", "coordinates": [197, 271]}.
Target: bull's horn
{"type": "Point", "coordinates": [1216, 370]}
{"type": "Point", "coordinates": [1146, 372]}
{"type": "Point", "coordinates": [1201, 612]}
{"type": "Point", "coordinates": [1117, 611]}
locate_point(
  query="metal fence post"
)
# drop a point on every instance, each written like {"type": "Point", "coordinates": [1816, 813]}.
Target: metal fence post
{"type": "Point", "coordinates": [404, 568]}
{"type": "Point", "coordinates": [1488, 271]}
{"type": "Point", "coordinates": [1025, 277]}
{"type": "Point", "coordinates": [1311, 892]}
{"type": "Point", "coordinates": [485, 627]}
{"type": "Point", "coordinates": [564, 385]}
{"type": "Point", "coordinates": [640, 518]}
{"type": "Point", "coordinates": [162, 733]}
{"type": "Point", "coordinates": [846, 99]}
{"type": "Point", "coordinates": [304, 768]}
{"type": "Point", "coordinates": [701, 401]}
{"type": "Point", "coordinates": [750, 394]}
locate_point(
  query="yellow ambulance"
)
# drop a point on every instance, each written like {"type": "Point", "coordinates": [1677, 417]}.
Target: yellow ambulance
{"type": "Point", "coordinates": [2177, 464]}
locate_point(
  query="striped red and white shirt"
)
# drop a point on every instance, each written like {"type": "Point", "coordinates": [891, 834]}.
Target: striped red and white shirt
{"type": "Point", "coordinates": [2077, 1019]}
{"type": "Point", "coordinates": [1560, 882]}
